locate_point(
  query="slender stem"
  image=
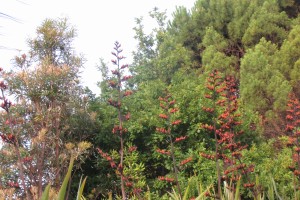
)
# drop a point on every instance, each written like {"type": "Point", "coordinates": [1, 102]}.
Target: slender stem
{"type": "Point", "coordinates": [121, 131]}
{"type": "Point", "coordinates": [216, 144]}
{"type": "Point", "coordinates": [40, 158]}
{"type": "Point", "coordinates": [217, 161]}
{"type": "Point", "coordinates": [253, 190]}
{"type": "Point", "coordinates": [176, 172]}
{"type": "Point", "coordinates": [40, 170]}
{"type": "Point", "coordinates": [121, 171]}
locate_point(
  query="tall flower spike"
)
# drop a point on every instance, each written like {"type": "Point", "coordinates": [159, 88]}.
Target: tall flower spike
{"type": "Point", "coordinates": [117, 83]}
{"type": "Point", "coordinates": [168, 116]}
{"type": "Point", "coordinates": [222, 93]}
{"type": "Point", "coordinates": [293, 130]}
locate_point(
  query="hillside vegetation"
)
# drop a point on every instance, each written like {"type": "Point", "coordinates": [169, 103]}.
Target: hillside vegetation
{"type": "Point", "coordinates": [209, 109]}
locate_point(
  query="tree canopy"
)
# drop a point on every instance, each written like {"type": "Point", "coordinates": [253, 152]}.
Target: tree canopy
{"type": "Point", "coordinates": [212, 97]}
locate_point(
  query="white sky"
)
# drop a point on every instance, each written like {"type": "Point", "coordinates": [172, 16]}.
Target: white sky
{"type": "Point", "coordinates": [99, 24]}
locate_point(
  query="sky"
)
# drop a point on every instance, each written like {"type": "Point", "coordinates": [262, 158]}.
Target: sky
{"type": "Point", "coordinates": [99, 24]}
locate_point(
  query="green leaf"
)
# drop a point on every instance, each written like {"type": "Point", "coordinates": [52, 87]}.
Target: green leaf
{"type": "Point", "coordinates": [202, 193]}
{"type": "Point", "coordinates": [174, 195]}
{"type": "Point", "coordinates": [237, 191]}
{"type": "Point", "coordinates": [80, 189]}
{"type": "Point", "coordinates": [275, 188]}
{"type": "Point", "coordinates": [186, 192]}
{"type": "Point", "coordinates": [63, 188]}
{"type": "Point", "coordinates": [45, 195]}
{"type": "Point", "coordinates": [149, 193]}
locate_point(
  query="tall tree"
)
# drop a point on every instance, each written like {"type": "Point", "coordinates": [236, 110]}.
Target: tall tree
{"type": "Point", "coordinates": [263, 88]}
{"type": "Point", "coordinates": [45, 85]}
{"type": "Point", "coordinates": [268, 22]}
{"type": "Point", "coordinates": [287, 59]}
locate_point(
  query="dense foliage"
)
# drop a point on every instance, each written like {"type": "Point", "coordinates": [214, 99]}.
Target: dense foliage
{"type": "Point", "coordinates": [213, 101]}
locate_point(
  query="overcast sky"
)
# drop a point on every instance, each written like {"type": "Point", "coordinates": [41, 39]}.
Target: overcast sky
{"type": "Point", "coordinates": [99, 24]}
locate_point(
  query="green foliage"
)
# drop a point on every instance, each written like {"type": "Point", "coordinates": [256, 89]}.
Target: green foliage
{"type": "Point", "coordinates": [272, 193]}
{"type": "Point", "coordinates": [134, 168]}
{"type": "Point", "coordinates": [180, 25]}
{"type": "Point", "coordinates": [53, 43]}
{"type": "Point", "coordinates": [257, 42]}
{"type": "Point", "coordinates": [242, 13]}
{"type": "Point", "coordinates": [147, 50]}
{"type": "Point", "coordinates": [263, 88]}
{"type": "Point", "coordinates": [63, 188]}
{"type": "Point", "coordinates": [80, 189]}
{"type": "Point", "coordinates": [287, 59]}
{"type": "Point", "coordinates": [214, 56]}
{"type": "Point", "coordinates": [45, 195]}
{"type": "Point", "coordinates": [203, 168]}
{"type": "Point", "coordinates": [214, 14]}
{"type": "Point", "coordinates": [267, 22]}
{"type": "Point", "coordinates": [48, 99]}
{"type": "Point", "coordinates": [272, 162]}
{"type": "Point", "coordinates": [172, 57]}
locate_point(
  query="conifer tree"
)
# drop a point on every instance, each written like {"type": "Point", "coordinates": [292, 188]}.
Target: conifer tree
{"type": "Point", "coordinates": [263, 88]}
